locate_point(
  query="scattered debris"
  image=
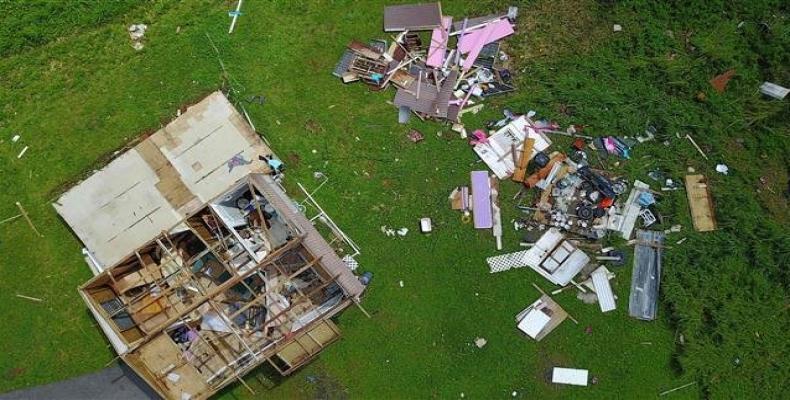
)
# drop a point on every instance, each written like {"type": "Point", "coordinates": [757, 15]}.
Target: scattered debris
{"type": "Point", "coordinates": [540, 318]}
{"type": "Point", "coordinates": [36, 299]}
{"type": "Point", "coordinates": [136, 33]}
{"type": "Point", "coordinates": [696, 146]}
{"type": "Point", "coordinates": [701, 203]}
{"type": "Point", "coordinates": [774, 90]}
{"type": "Point", "coordinates": [9, 219]}
{"type": "Point", "coordinates": [617, 28]}
{"type": "Point", "coordinates": [719, 82]}
{"type": "Point", "coordinates": [600, 279]}
{"type": "Point", "coordinates": [425, 225]}
{"type": "Point", "coordinates": [235, 15]}
{"type": "Point", "coordinates": [15, 138]}
{"type": "Point", "coordinates": [722, 169]}
{"type": "Point", "coordinates": [416, 136]}
{"type": "Point", "coordinates": [646, 276]}
{"type": "Point", "coordinates": [433, 81]}
{"type": "Point", "coordinates": [480, 342]}
{"type": "Point", "coordinates": [569, 376]}
{"type": "Point", "coordinates": [22, 153]}
{"type": "Point", "coordinates": [23, 213]}
{"type": "Point", "coordinates": [666, 392]}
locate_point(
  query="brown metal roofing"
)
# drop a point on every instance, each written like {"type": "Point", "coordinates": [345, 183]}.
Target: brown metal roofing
{"type": "Point", "coordinates": [446, 92]}
{"type": "Point", "coordinates": [412, 17]}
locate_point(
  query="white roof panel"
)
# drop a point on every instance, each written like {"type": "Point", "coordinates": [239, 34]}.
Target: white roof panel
{"type": "Point", "coordinates": [152, 186]}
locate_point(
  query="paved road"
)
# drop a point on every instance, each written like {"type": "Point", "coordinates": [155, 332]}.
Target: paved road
{"type": "Point", "coordinates": [116, 383]}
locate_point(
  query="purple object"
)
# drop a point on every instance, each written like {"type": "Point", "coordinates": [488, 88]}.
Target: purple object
{"type": "Point", "coordinates": [481, 200]}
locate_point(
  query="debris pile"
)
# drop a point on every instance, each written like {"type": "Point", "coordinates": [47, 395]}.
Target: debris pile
{"type": "Point", "coordinates": [575, 203]}
{"type": "Point", "coordinates": [439, 76]}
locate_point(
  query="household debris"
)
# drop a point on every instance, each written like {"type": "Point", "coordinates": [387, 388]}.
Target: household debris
{"type": "Point", "coordinates": [719, 82]}
{"type": "Point", "coordinates": [540, 318]}
{"type": "Point", "coordinates": [425, 225]}
{"type": "Point", "coordinates": [235, 15]}
{"type": "Point", "coordinates": [700, 202]}
{"type": "Point", "coordinates": [646, 277]}
{"type": "Point", "coordinates": [136, 33]}
{"type": "Point", "coordinates": [569, 376]}
{"type": "Point", "coordinates": [774, 90]}
{"type": "Point", "coordinates": [722, 169]}
{"type": "Point", "coordinates": [480, 342]}
{"type": "Point", "coordinates": [440, 75]}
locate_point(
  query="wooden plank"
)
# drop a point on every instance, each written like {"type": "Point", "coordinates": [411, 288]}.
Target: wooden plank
{"type": "Point", "coordinates": [701, 203]}
{"type": "Point", "coordinates": [526, 152]}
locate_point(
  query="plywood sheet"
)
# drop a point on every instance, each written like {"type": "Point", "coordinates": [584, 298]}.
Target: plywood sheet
{"type": "Point", "coordinates": [701, 203]}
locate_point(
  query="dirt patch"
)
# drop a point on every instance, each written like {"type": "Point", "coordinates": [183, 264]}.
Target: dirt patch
{"type": "Point", "coordinates": [13, 373]}
{"type": "Point", "coordinates": [326, 387]}
{"type": "Point", "coordinates": [313, 127]}
{"type": "Point", "coordinates": [546, 362]}
{"type": "Point", "coordinates": [773, 189]}
{"type": "Point", "coordinates": [293, 160]}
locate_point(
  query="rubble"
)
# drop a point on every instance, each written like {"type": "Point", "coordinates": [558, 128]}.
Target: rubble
{"type": "Point", "coordinates": [462, 63]}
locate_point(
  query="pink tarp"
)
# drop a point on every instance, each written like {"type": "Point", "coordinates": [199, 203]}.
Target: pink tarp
{"type": "Point", "coordinates": [439, 39]}
{"type": "Point", "coordinates": [490, 33]}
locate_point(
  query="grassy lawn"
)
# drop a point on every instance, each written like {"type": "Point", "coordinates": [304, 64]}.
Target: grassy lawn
{"type": "Point", "coordinates": [74, 89]}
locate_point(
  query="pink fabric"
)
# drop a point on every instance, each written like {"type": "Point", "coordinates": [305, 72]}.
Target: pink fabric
{"type": "Point", "coordinates": [439, 39]}
{"type": "Point", "coordinates": [490, 33]}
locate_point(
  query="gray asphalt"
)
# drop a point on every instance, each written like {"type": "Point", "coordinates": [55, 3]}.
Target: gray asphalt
{"type": "Point", "coordinates": [117, 383]}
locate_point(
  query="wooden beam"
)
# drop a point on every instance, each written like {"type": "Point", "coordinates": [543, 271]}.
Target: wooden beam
{"type": "Point", "coordinates": [27, 218]}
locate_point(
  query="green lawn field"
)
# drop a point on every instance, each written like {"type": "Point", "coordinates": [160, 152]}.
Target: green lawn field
{"type": "Point", "coordinates": [76, 91]}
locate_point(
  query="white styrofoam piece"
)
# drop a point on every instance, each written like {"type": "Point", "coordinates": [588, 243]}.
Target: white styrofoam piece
{"type": "Point", "coordinates": [570, 376]}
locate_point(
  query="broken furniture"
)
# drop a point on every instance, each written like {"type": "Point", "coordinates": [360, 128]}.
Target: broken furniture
{"type": "Point", "coordinates": [203, 272]}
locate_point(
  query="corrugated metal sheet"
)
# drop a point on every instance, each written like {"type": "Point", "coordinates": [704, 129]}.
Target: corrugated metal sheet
{"type": "Point", "coordinates": [412, 17]}
{"type": "Point", "coordinates": [646, 277]}
{"type": "Point", "coordinates": [603, 290]}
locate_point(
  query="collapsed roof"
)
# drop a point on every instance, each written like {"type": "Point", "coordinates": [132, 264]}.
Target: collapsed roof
{"type": "Point", "coordinates": [204, 267]}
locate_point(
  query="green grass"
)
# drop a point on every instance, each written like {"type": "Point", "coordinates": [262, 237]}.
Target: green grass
{"type": "Point", "coordinates": [76, 91]}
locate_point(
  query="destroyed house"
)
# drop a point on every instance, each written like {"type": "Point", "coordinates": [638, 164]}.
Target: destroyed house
{"type": "Point", "coordinates": [204, 268]}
